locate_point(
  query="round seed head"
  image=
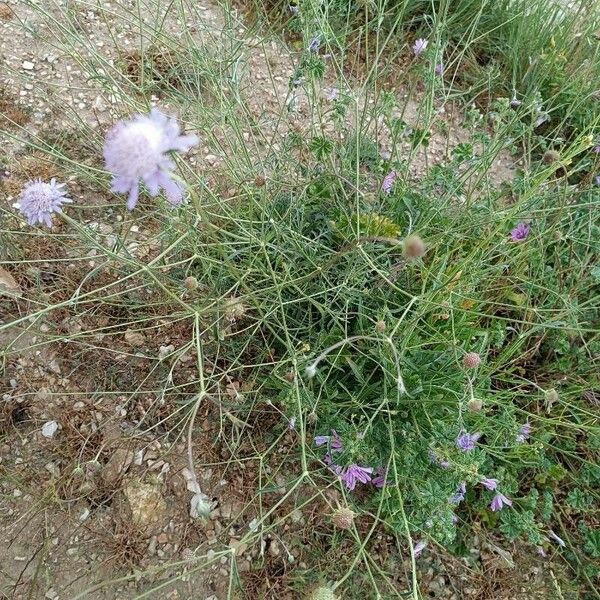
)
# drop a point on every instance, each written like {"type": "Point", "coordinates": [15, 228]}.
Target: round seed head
{"type": "Point", "coordinates": [322, 593]}
{"type": "Point", "coordinates": [312, 418]}
{"type": "Point", "coordinates": [380, 326]}
{"type": "Point", "coordinates": [475, 405]}
{"type": "Point", "coordinates": [343, 518]}
{"type": "Point", "coordinates": [191, 283]}
{"type": "Point", "coordinates": [414, 247]}
{"type": "Point", "coordinates": [550, 157]}
{"type": "Point", "coordinates": [471, 360]}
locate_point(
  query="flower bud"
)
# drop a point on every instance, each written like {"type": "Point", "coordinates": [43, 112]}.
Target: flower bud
{"type": "Point", "coordinates": [414, 247]}
{"type": "Point", "coordinates": [471, 360]}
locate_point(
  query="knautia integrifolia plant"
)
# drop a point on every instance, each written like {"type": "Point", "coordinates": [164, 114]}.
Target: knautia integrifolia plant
{"type": "Point", "coordinates": [137, 150]}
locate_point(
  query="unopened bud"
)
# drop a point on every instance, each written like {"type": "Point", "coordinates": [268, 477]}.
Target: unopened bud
{"type": "Point", "coordinates": [414, 247]}
{"type": "Point", "coordinates": [471, 360]}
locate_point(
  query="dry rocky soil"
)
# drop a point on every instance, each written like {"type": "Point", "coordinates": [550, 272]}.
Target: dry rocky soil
{"type": "Point", "coordinates": [94, 474]}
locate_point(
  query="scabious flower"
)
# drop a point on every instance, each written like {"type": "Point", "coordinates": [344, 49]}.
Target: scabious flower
{"type": "Point", "coordinates": [467, 441]}
{"type": "Point", "coordinates": [490, 484]}
{"type": "Point", "coordinates": [439, 69]}
{"type": "Point", "coordinates": [380, 479]}
{"type": "Point", "coordinates": [524, 433]}
{"type": "Point", "coordinates": [332, 94]}
{"type": "Point", "coordinates": [333, 439]}
{"type": "Point", "coordinates": [292, 424]}
{"type": "Point", "coordinates": [419, 547]}
{"type": "Point", "coordinates": [433, 457]}
{"type": "Point", "coordinates": [499, 502]}
{"type": "Point", "coordinates": [315, 44]}
{"type": "Point", "coordinates": [137, 149]}
{"type": "Point", "coordinates": [355, 473]}
{"type": "Point", "coordinates": [420, 46]}
{"type": "Point", "coordinates": [388, 181]}
{"type": "Point", "coordinates": [520, 232]}
{"type": "Point", "coordinates": [460, 494]}
{"type": "Point", "coordinates": [39, 200]}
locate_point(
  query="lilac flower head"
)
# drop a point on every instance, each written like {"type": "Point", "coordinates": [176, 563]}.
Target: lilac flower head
{"type": "Point", "coordinates": [315, 44]}
{"type": "Point", "coordinates": [490, 484]}
{"type": "Point", "coordinates": [292, 424]}
{"type": "Point", "coordinates": [520, 232]}
{"type": "Point", "coordinates": [333, 439]}
{"type": "Point", "coordinates": [380, 479]}
{"type": "Point", "coordinates": [434, 458]}
{"type": "Point", "coordinates": [294, 9]}
{"type": "Point", "coordinates": [524, 433]}
{"type": "Point", "coordinates": [460, 494]}
{"type": "Point", "coordinates": [419, 547]}
{"type": "Point", "coordinates": [39, 200]}
{"type": "Point", "coordinates": [332, 94]}
{"type": "Point", "coordinates": [354, 473]}
{"type": "Point", "coordinates": [420, 46]}
{"type": "Point", "coordinates": [439, 69]}
{"type": "Point", "coordinates": [137, 150]}
{"type": "Point", "coordinates": [466, 441]}
{"type": "Point", "coordinates": [500, 501]}
{"type": "Point", "coordinates": [388, 181]}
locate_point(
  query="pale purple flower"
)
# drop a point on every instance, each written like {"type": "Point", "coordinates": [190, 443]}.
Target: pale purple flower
{"type": "Point", "coordinates": [388, 181]}
{"type": "Point", "coordinates": [380, 479]}
{"type": "Point", "coordinates": [355, 473]}
{"type": "Point", "coordinates": [499, 502]}
{"type": "Point", "coordinates": [467, 441]}
{"type": "Point", "coordinates": [137, 149]}
{"type": "Point", "coordinates": [39, 200]}
{"type": "Point", "coordinates": [520, 232]}
{"type": "Point", "coordinates": [490, 484]}
{"type": "Point", "coordinates": [420, 46]}
{"type": "Point", "coordinates": [433, 457]}
{"type": "Point", "coordinates": [315, 44]}
{"type": "Point", "coordinates": [294, 9]}
{"type": "Point", "coordinates": [541, 551]}
{"type": "Point", "coordinates": [292, 424]}
{"type": "Point", "coordinates": [328, 460]}
{"type": "Point", "coordinates": [419, 547]}
{"type": "Point", "coordinates": [333, 439]}
{"type": "Point", "coordinates": [557, 539]}
{"type": "Point", "coordinates": [439, 69]}
{"type": "Point", "coordinates": [524, 433]}
{"type": "Point", "coordinates": [332, 94]}
{"type": "Point", "coordinates": [460, 494]}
